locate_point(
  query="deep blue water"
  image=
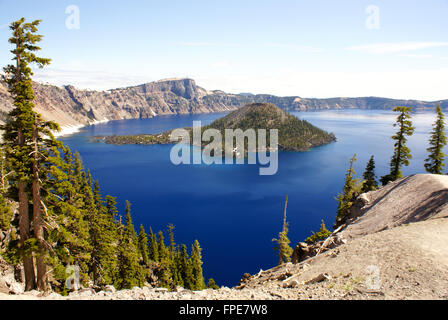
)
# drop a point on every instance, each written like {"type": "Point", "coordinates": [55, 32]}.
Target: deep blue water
{"type": "Point", "coordinates": [232, 210]}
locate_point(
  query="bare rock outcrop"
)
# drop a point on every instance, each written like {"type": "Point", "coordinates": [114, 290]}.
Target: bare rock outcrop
{"type": "Point", "coordinates": [411, 199]}
{"type": "Point", "coordinates": [72, 107]}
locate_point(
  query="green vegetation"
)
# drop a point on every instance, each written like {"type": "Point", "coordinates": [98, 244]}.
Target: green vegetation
{"type": "Point", "coordinates": [369, 183]}
{"type": "Point", "coordinates": [402, 154]}
{"type": "Point", "coordinates": [62, 220]}
{"type": "Point", "coordinates": [434, 163]}
{"type": "Point", "coordinates": [293, 134]}
{"type": "Point", "coordinates": [322, 234]}
{"type": "Point", "coordinates": [348, 195]}
{"type": "Point", "coordinates": [282, 243]}
{"type": "Point", "coordinates": [211, 284]}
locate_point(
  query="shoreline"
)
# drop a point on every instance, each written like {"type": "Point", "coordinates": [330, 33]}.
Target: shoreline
{"type": "Point", "coordinates": [73, 129]}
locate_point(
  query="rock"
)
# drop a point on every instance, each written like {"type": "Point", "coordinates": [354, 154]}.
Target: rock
{"type": "Point", "coordinates": [16, 288]}
{"type": "Point", "coordinates": [86, 292]}
{"type": "Point", "coordinates": [246, 276]}
{"type": "Point", "coordinates": [178, 289]}
{"type": "Point", "coordinates": [292, 283]}
{"type": "Point", "coordinates": [33, 293]}
{"type": "Point", "coordinates": [110, 289]}
{"type": "Point", "coordinates": [161, 290]}
{"type": "Point", "coordinates": [3, 287]}
{"type": "Point", "coordinates": [54, 296]}
{"type": "Point", "coordinates": [321, 277]}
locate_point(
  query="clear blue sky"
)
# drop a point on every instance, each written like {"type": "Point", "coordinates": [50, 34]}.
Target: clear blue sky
{"type": "Point", "coordinates": [310, 48]}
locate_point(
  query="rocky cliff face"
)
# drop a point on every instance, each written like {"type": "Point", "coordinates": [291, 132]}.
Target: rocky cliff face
{"type": "Point", "coordinates": [72, 107]}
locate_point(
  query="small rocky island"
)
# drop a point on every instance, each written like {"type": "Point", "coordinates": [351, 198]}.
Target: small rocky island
{"type": "Point", "coordinates": [293, 134]}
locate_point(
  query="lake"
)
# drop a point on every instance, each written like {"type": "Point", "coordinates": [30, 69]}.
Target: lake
{"type": "Point", "coordinates": [232, 210]}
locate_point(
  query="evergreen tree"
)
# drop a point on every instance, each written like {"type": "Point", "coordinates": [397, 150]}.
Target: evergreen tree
{"type": "Point", "coordinates": [346, 198]}
{"type": "Point", "coordinates": [130, 271]}
{"type": "Point", "coordinates": [67, 226]}
{"type": "Point", "coordinates": [283, 248]}
{"type": "Point", "coordinates": [153, 247]}
{"type": "Point", "coordinates": [178, 278]}
{"type": "Point", "coordinates": [369, 183]}
{"type": "Point", "coordinates": [165, 263]}
{"type": "Point", "coordinates": [111, 212]}
{"type": "Point", "coordinates": [161, 248]}
{"type": "Point", "coordinates": [322, 234]}
{"type": "Point", "coordinates": [211, 284]}
{"type": "Point", "coordinates": [5, 214]}
{"type": "Point", "coordinates": [196, 264]}
{"type": "Point", "coordinates": [402, 154]}
{"type": "Point", "coordinates": [186, 269]}
{"type": "Point", "coordinates": [172, 242]}
{"type": "Point", "coordinates": [143, 246]}
{"type": "Point", "coordinates": [435, 162]}
{"type": "Point", "coordinates": [4, 172]}
{"type": "Point", "coordinates": [172, 257]}
{"type": "Point", "coordinates": [103, 235]}
{"type": "Point", "coordinates": [25, 138]}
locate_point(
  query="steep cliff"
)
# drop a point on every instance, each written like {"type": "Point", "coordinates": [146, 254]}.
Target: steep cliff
{"type": "Point", "coordinates": [72, 107]}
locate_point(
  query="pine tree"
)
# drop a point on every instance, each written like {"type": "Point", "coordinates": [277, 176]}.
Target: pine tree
{"type": "Point", "coordinates": [67, 226]}
{"type": "Point", "coordinates": [196, 263]}
{"type": "Point", "coordinates": [130, 271]}
{"type": "Point", "coordinates": [322, 234]}
{"type": "Point", "coordinates": [178, 279]}
{"type": "Point", "coordinates": [5, 214]}
{"type": "Point", "coordinates": [186, 269]}
{"type": "Point", "coordinates": [165, 263]}
{"type": "Point", "coordinates": [143, 246]}
{"type": "Point", "coordinates": [25, 139]}
{"type": "Point", "coordinates": [346, 198]}
{"type": "Point", "coordinates": [435, 162]}
{"type": "Point", "coordinates": [172, 257]}
{"type": "Point", "coordinates": [111, 212]}
{"type": "Point", "coordinates": [4, 172]}
{"type": "Point", "coordinates": [161, 248]}
{"type": "Point", "coordinates": [103, 235]}
{"type": "Point", "coordinates": [369, 183]}
{"type": "Point", "coordinates": [153, 247]}
{"type": "Point", "coordinates": [402, 154]}
{"type": "Point", "coordinates": [171, 239]}
{"type": "Point", "coordinates": [211, 284]}
{"type": "Point", "coordinates": [283, 248]}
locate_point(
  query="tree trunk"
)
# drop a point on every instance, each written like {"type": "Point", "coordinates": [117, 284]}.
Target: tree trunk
{"type": "Point", "coordinates": [24, 229]}
{"type": "Point", "coordinates": [37, 219]}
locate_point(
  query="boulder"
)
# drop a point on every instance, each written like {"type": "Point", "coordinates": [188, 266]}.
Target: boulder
{"type": "Point", "coordinates": [321, 277]}
{"type": "Point", "coordinates": [16, 288]}
{"type": "Point", "coordinates": [3, 287]}
{"type": "Point", "coordinates": [110, 289]}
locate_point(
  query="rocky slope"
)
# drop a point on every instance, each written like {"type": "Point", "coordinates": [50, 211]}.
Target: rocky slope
{"type": "Point", "coordinates": [72, 107]}
{"type": "Point", "coordinates": [404, 257]}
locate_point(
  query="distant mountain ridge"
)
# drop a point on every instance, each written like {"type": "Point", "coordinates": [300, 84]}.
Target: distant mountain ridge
{"type": "Point", "coordinates": [72, 107]}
